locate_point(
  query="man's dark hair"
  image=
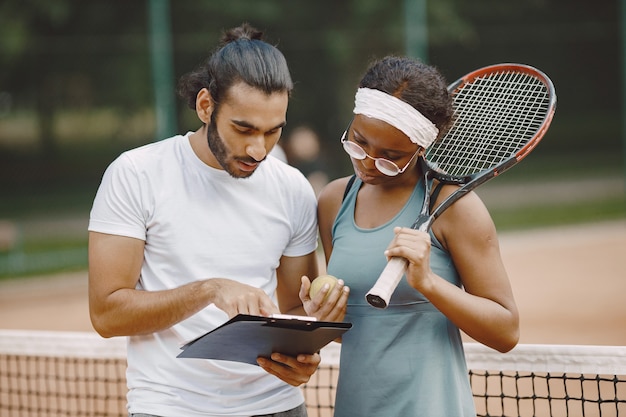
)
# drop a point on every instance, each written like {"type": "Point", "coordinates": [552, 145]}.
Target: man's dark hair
{"type": "Point", "coordinates": [242, 56]}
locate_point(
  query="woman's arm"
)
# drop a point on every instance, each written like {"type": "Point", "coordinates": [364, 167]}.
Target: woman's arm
{"type": "Point", "coordinates": [485, 308]}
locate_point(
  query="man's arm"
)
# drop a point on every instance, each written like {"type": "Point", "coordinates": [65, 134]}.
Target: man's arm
{"type": "Point", "coordinates": [294, 371]}
{"type": "Point", "coordinates": [289, 275]}
{"type": "Point", "coordinates": [118, 309]}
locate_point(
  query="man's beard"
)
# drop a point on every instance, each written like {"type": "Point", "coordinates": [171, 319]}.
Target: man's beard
{"type": "Point", "coordinates": [221, 153]}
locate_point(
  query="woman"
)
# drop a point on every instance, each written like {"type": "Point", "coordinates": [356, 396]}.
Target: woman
{"type": "Point", "coordinates": [407, 360]}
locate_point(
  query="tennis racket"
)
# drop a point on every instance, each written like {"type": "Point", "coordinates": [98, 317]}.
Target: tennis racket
{"type": "Point", "coordinates": [501, 113]}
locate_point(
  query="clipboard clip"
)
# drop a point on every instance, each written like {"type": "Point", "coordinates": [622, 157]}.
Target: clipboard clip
{"type": "Point", "coordinates": [291, 317]}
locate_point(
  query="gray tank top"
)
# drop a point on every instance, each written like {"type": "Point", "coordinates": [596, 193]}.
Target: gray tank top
{"type": "Point", "coordinates": [406, 360]}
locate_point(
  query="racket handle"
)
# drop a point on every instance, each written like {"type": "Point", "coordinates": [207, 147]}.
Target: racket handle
{"type": "Point", "coordinates": [381, 292]}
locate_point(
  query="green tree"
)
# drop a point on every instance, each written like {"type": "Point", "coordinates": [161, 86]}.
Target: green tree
{"type": "Point", "coordinates": [72, 54]}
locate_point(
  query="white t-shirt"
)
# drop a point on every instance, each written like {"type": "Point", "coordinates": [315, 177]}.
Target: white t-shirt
{"type": "Point", "coordinates": [198, 222]}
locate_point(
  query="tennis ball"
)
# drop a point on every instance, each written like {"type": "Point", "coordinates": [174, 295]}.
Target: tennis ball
{"type": "Point", "coordinates": [319, 282]}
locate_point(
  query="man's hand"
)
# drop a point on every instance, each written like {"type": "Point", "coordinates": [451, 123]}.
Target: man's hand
{"type": "Point", "coordinates": [294, 371]}
{"type": "Point", "coordinates": [236, 298]}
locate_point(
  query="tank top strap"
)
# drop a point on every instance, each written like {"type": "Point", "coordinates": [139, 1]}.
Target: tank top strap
{"type": "Point", "coordinates": [434, 195]}
{"type": "Point", "coordinates": [348, 186]}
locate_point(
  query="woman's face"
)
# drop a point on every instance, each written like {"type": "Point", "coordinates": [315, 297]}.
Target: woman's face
{"type": "Point", "coordinates": [381, 140]}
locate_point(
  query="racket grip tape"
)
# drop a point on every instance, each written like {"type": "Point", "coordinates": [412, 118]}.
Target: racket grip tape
{"type": "Point", "coordinates": [381, 292]}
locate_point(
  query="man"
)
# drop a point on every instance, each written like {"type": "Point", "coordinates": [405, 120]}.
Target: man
{"type": "Point", "coordinates": [192, 230]}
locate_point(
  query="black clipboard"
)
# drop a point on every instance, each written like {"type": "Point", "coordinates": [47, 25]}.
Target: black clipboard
{"type": "Point", "coordinates": [244, 338]}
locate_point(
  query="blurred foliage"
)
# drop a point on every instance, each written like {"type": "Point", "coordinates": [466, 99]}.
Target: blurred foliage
{"type": "Point", "coordinates": [545, 215]}
{"type": "Point", "coordinates": [76, 74]}
{"type": "Point", "coordinates": [76, 89]}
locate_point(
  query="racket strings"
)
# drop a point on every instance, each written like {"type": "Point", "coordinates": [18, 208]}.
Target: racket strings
{"type": "Point", "coordinates": [491, 123]}
{"type": "Point", "coordinates": [495, 117]}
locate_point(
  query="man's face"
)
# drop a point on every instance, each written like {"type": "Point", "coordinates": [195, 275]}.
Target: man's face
{"type": "Point", "coordinates": [245, 128]}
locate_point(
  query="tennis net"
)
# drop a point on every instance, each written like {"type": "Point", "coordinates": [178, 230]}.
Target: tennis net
{"type": "Point", "coordinates": [56, 374]}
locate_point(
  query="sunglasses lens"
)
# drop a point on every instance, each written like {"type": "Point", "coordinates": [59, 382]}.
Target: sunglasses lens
{"type": "Point", "coordinates": [354, 150]}
{"type": "Point", "coordinates": [387, 167]}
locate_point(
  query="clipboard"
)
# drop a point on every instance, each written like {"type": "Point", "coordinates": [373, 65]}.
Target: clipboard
{"type": "Point", "coordinates": [244, 338]}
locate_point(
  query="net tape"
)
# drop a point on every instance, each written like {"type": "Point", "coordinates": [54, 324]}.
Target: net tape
{"type": "Point", "coordinates": [80, 374]}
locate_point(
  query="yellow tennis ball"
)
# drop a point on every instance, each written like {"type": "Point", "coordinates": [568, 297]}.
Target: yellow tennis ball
{"type": "Point", "coordinates": [319, 282]}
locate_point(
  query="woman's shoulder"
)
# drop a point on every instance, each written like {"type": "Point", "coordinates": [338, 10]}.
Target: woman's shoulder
{"type": "Point", "coordinates": [331, 197]}
{"type": "Point", "coordinates": [453, 223]}
{"type": "Point", "coordinates": [335, 190]}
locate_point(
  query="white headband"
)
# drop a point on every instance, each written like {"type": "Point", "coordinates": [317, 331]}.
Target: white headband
{"type": "Point", "coordinates": [399, 114]}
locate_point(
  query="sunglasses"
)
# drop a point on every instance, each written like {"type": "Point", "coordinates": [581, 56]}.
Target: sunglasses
{"type": "Point", "coordinates": [385, 166]}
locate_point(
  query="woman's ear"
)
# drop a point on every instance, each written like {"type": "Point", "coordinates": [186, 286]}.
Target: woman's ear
{"type": "Point", "coordinates": [204, 106]}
